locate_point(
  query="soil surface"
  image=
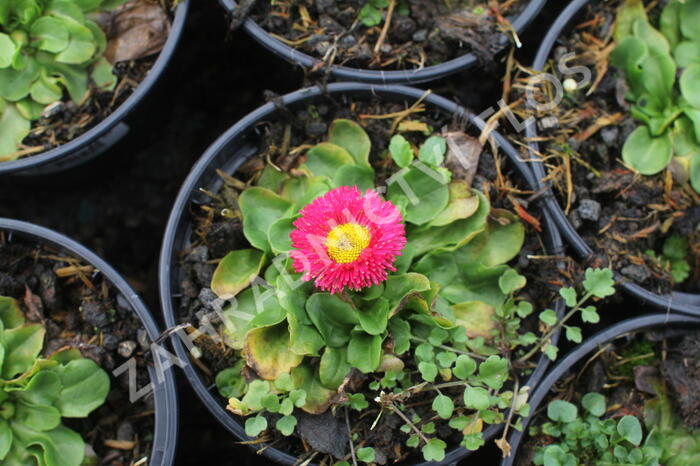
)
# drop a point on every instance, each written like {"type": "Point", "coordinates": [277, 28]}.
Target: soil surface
{"type": "Point", "coordinates": [620, 214]}
{"type": "Point", "coordinates": [80, 309]}
{"type": "Point", "coordinates": [214, 235]}
{"type": "Point", "coordinates": [421, 32]}
{"type": "Point", "coordinates": [626, 373]}
{"type": "Point", "coordinates": [118, 204]}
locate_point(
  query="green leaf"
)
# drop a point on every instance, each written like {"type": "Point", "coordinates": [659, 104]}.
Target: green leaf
{"type": "Point", "coordinates": [444, 406]}
{"type": "Point", "coordinates": [350, 136]}
{"type": "Point", "coordinates": [424, 188]}
{"type": "Point", "coordinates": [74, 78]}
{"type": "Point", "coordinates": [599, 282]}
{"type": "Point", "coordinates": [549, 317]}
{"type": "Point", "coordinates": [594, 403]}
{"type": "Point", "coordinates": [400, 330]}
{"type": "Point", "coordinates": [551, 352]}
{"type": "Point", "coordinates": [37, 417]}
{"type": "Point", "coordinates": [630, 429]}
{"type": "Point", "coordinates": [511, 281]}
{"type": "Point", "coordinates": [366, 454]}
{"type": "Point", "coordinates": [355, 175]}
{"type": "Point", "coordinates": [569, 295]}
{"type": "Point", "coordinates": [333, 367]}
{"type": "Point", "coordinates": [23, 345]}
{"type": "Point", "coordinates": [254, 426]}
{"type": "Point", "coordinates": [398, 287]}
{"type": "Point", "coordinates": [286, 425]}
{"type": "Point", "coordinates": [590, 315]}
{"type": "Point", "coordinates": [657, 43]}
{"type": "Point", "coordinates": [278, 235]}
{"type": "Point", "coordinates": [15, 84]}
{"type": "Point", "coordinates": [428, 371]}
{"type": "Point", "coordinates": [562, 411]}
{"type": "Point", "coordinates": [694, 170]}
{"type": "Point", "coordinates": [690, 18]}
{"type": "Point", "coordinates": [375, 318]}
{"type": "Point", "coordinates": [29, 109]}
{"type": "Point", "coordinates": [102, 75]}
{"type": "Point", "coordinates": [49, 34]}
{"type": "Point", "coordinates": [59, 446]}
{"type": "Point", "coordinates": [260, 208]}
{"type": "Point", "coordinates": [476, 398]}
{"type": "Point", "coordinates": [574, 334]}
{"type": "Point", "coordinates": [646, 154]}
{"type": "Point", "coordinates": [230, 381]}
{"type": "Point", "coordinates": [446, 358]}
{"type": "Point", "coordinates": [369, 15]}
{"type": "Point", "coordinates": [401, 151]}
{"type": "Point", "coordinates": [629, 55]}
{"type": "Point", "coordinates": [81, 46]}
{"type": "Point", "coordinates": [85, 387]}
{"type": "Point", "coordinates": [494, 372]}
{"type": "Point", "coordinates": [687, 53]}
{"type": "Point", "coordinates": [10, 314]}
{"type": "Point", "coordinates": [434, 450]}
{"type": "Point", "coordinates": [43, 389]}
{"type": "Point", "coordinates": [476, 317]}
{"type": "Point", "coordinates": [7, 50]}
{"type": "Point", "coordinates": [675, 247]}
{"type": "Point", "coordinates": [630, 11]}
{"type": "Point", "coordinates": [236, 271]}
{"type": "Point", "coordinates": [463, 203]}
{"type": "Point", "coordinates": [690, 84]}
{"type": "Point", "coordinates": [477, 283]}
{"type": "Point", "coordinates": [316, 398]}
{"type": "Point", "coordinates": [433, 151]}
{"type": "Point", "coordinates": [5, 438]}
{"type": "Point", "coordinates": [464, 367]}
{"type": "Point", "coordinates": [357, 401]}
{"type": "Point", "coordinates": [267, 351]}
{"type": "Point", "coordinates": [45, 90]}
{"type": "Point", "coordinates": [365, 351]}
{"type": "Point", "coordinates": [325, 159]}
{"type": "Point", "coordinates": [333, 317]}
{"type": "Point", "coordinates": [670, 23]}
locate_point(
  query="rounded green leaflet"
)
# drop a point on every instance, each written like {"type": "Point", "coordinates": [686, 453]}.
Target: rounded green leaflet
{"type": "Point", "coordinates": [85, 387]}
{"type": "Point", "coordinates": [350, 136]}
{"type": "Point", "coordinates": [425, 189]}
{"type": "Point", "coordinates": [102, 75]}
{"type": "Point", "coordinates": [254, 426]}
{"type": "Point", "coordinates": [646, 154]}
{"type": "Point", "coordinates": [594, 403]}
{"type": "Point", "coordinates": [45, 89]}
{"type": "Point", "coordinates": [433, 150]}
{"type": "Point", "coordinates": [81, 46]}
{"type": "Point", "coordinates": [628, 56]}
{"type": "Point", "coordinates": [333, 367]}
{"type": "Point", "coordinates": [15, 84]}
{"type": "Point", "coordinates": [325, 159]}
{"type": "Point", "coordinates": [260, 208]}
{"type": "Point", "coordinates": [690, 19]}
{"type": "Point", "coordinates": [50, 34]}
{"type": "Point", "coordinates": [267, 350]}
{"type": "Point", "coordinates": [687, 53]}
{"type": "Point", "coordinates": [670, 23]}
{"type": "Point", "coordinates": [365, 351]}
{"type": "Point", "coordinates": [7, 50]}
{"type": "Point", "coordinates": [401, 151]}
{"type": "Point", "coordinates": [333, 317]}
{"type": "Point", "coordinates": [476, 398]}
{"type": "Point", "coordinates": [690, 84]}
{"type": "Point", "coordinates": [236, 271]}
{"type": "Point", "coordinates": [562, 411]}
{"type": "Point", "coordinates": [630, 429]}
{"type": "Point", "coordinates": [278, 235]}
{"type": "Point", "coordinates": [374, 317]}
{"type": "Point", "coordinates": [22, 346]}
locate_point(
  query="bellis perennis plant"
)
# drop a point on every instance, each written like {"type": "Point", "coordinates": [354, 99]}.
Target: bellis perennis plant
{"type": "Point", "coordinates": [353, 297]}
{"type": "Point", "coordinates": [36, 392]}
{"type": "Point", "coordinates": [47, 48]}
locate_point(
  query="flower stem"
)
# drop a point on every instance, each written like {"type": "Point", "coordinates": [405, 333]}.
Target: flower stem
{"type": "Point", "coordinates": [449, 348]}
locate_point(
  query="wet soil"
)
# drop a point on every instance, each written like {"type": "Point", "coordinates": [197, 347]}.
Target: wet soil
{"type": "Point", "coordinates": [80, 309]}
{"type": "Point", "coordinates": [626, 372]}
{"type": "Point", "coordinates": [421, 32]}
{"type": "Point", "coordinates": [620, 214]}
{"type": "Point", "coordinates": [215, 234]}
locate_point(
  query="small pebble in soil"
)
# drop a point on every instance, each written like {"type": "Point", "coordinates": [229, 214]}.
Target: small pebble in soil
{"type": "Point", "coordinates": [142, 338]}
{"type": "Point", "coordinates": [588, 209]}
{"type": "Point", "coordinates": [420, 35]}
{"type": "Point", "coordinates": [548, 122]}
{"type": "Point", "coordinates": [94, 314]}
{"type": "Point", "coordinates": [210, 300]}
{"type": "Point", "coordinates": [575, 220]}
{"type": "Point", "coordinates": [637, 273]}
{"type": "Point", "coordinates": [316, 128]}
{"type": "Point", "coordinates": [347, 41]}
{"type": "Point", "coordinates": [125, 431]}
{"type": "Point", "coordinates": [110, 342]}
{"type": "Point", "coordinates": [610, 135]}
{"type": "Point", "coordinates": [126, 348]}
{"type": "Point", "coordinates": [403, 28]}
{"type": "Point", "coordinates": [326, 6]}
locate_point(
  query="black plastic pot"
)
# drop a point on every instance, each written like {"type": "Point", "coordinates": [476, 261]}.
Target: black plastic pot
{"type": "Point", "coordinates": [229, 152]}
{"type": "Point", "coordinates": [415, 76]}
{"type": "Point", "coordinates": [581, 351]}
{"type": "Point", "coordinates": [164, 393]}
{"type": "Point", "coordinates": [110, 130]}
{"type": "Point", "coordinates": [679, 302]}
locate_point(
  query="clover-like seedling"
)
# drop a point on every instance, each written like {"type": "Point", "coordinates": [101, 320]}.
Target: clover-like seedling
{"type": "Point", "coordinates": [668, 108]}
{"type": "Point", "coordinates": [47, 48]}
{"type": "Point", "coordinates": [36, 392]}
{"type": "Point", "coordinates": [589, 438]}
{"type": "Point", "coordinates": [674, 257]}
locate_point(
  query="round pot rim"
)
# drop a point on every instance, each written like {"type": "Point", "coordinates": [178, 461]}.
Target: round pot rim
{"type": "Point", "coordinates": [676, 301]}
{"type": "Point", "coordinates": [164, 391]}
{"type": "Point", "coordinates": [178, 211]}
{"type": "Point", "coordinates": [119, 114]}
{"type": "Point", "coordinates": [633, 325]}
{"type": "Point", "coordinates": [415, 76]}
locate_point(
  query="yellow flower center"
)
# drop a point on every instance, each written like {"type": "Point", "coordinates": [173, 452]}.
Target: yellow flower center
{"type": "Point", "coordinates": [346, 242]}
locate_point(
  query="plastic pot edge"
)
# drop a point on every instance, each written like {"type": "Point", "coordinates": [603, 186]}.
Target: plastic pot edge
{"type": "Point", "coordinates": [193, 180]}
{"type": "Point", "coordinates": [164, 393]}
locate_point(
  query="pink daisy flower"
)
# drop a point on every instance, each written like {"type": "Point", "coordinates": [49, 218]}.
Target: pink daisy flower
{"type": "Point", "coordinates": [344, 238]}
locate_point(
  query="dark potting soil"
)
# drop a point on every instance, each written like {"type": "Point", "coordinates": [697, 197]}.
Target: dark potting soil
{"type": "Point", "coordinates": [421, 32]}
{"type": "Point", "coordinates": [626, 373]}
{"type": "Point", "coordinates": [65, 120]}
{"type": "Point", "coordinates": [216, 232]}
{"type": "Point", "coordinates": [80, 309]}
{"type": "Point", "coordinates": [620, 214]}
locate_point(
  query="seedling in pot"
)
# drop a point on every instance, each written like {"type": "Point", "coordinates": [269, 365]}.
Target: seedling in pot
{"type": "Point", "coordinates": [36, 392]}
{"type": "Point", "coordinates": [47, 49]}
{"type": "Point", "coordinates": [668, 107]}
{"type": "Point", "coordinates": [674, 257]}
{"type": "Point", "coordinates": [347, 302]}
